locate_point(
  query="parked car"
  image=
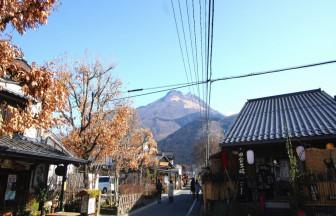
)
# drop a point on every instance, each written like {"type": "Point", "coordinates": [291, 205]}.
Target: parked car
{"type": "Point", "coordinates": [106, 184]}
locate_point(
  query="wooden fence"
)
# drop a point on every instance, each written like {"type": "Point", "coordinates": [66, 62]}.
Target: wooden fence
{"type": "Point", "coordinates": [218, 190]}
{"type": "Point", "coordinates": [320, 191]}
{"type": "Point", "coordinates": [127, 202]}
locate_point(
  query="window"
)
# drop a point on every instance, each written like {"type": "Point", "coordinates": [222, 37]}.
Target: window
{"type": "Point", "coordinates": [103, 179]}
{"type": "Point", "coordinates": [11, 188]}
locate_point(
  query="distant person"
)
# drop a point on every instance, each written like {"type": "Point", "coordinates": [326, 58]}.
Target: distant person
{"type": "Point", "coordinates": [197, 188]}
{"type": "Point", "coordinates": [159, 190]}
{"type": "Point", "coordinates": [192, 187]}
{"type": "Point", "coordinates": [171, 191]}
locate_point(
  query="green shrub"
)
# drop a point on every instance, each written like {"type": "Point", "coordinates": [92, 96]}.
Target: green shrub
{"type": "Point", "coordinates": [93, 193]}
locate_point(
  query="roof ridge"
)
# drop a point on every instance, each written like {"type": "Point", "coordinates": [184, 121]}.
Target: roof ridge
{"type": "Point", "coordinates": [23, 139]}
{"type": "Point", "coordinates": [286, 94]}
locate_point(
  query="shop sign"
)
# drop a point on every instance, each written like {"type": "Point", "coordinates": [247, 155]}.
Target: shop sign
{"type": "Point", "coordinates": [242, 176]}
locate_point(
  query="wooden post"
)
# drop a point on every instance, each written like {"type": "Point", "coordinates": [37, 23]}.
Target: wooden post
{"type": "Point", "coordinates": [98, 207]}
{"type": "Point", "coordinates": [62, 189]}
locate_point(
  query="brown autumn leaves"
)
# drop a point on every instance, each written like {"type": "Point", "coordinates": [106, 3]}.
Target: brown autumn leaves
{"type": "Point", "coordinates": [79, 100]}
{"type": "Point", "coordinates": [38, 82]}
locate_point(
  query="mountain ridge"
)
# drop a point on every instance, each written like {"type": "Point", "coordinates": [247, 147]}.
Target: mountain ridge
{"type": "Point", "coordinates": [175, 121]}
{"type": "Point", "coordinates": [172, 109]}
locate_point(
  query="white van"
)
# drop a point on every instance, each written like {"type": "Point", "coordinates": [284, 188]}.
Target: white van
{"type": "Point", "coordinates": [106, 183]}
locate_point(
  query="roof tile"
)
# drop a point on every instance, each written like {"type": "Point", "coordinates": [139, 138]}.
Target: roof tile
{"type": "Point", "coordinates": [23, 146]}
{"type": "Point", "coordinates": [307, 113]}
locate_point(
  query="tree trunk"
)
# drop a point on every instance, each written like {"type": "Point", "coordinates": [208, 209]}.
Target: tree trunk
{"type": "Point", "coordinates": [140, 176]}
{"type": "Point", "coordinates": [86, 176]}
{"type": "Point", "coordinates": [41, 204]}
{"type": "Point", "coordinates": [61, 199]}
{"type": "Point", "coordinates": [117, 185]}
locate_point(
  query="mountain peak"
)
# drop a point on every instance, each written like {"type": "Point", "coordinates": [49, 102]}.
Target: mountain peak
{"type": "Point", "coordinates": [172, 93]}
{"type": "Point", "coordinates": [185, 101]}
{"type": "Point", "coordinates": [166, 115]}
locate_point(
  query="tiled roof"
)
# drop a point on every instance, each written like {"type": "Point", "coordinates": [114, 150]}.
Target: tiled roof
{"type": "Point", "coordinates": [21, 147]}
{"type": "Point", "coordinates": [307, 114]}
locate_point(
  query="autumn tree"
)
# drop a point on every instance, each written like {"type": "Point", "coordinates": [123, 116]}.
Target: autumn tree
{"type": "Point", "coordinates": [147, 158]}
{"type": "Point", "coordinates": [136, 150]}
{"type": "Point", "coordinates": [199, 148]}
{"type": "Point", "coordinates": [38, 84]}
{"type": "Point", "coordinates": [95, 120]}
{"type": "Point", "coordinates": [142, 140]}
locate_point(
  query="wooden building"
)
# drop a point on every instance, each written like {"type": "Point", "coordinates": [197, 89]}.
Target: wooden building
{"type": "Point", "coordinates": [25, 159]}
{"type": "Point", "coordinates": [167, 170]}
{"type": "Point", "coordinates": [24, 165]}
{"type": "Point", "coordinates": [254, 161]}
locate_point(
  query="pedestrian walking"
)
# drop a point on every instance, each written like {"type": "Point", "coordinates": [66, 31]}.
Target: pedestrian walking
{"type": "Point", "coordinates": [192, 187]}
{"type": "Point", "coordinates": [197, 188]}
{"type": "Point", "coordinates": [171, 191]}
{"type": "Point", "coordinates": [159, 190]}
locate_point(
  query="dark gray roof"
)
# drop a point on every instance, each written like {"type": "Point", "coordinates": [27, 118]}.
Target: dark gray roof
{"type": "Point", "coordinates": [307, 114]}
{"type": "Point", "coordinates": [19, 147]}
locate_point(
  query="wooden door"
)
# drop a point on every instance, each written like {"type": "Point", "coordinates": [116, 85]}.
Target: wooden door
{"type": "Point", "coordinates": [3, 184]}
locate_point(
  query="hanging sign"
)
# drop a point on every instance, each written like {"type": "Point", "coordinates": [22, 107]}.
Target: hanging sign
{"type": "Point", "coordinates": [242, 176]}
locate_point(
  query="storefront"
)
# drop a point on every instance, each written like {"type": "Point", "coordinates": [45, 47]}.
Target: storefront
{"type": "Point", "coordinates": [255, 153]}
{"type": "Point", "coordinates": [14, 183]}
{"type": "Point", "coordinates": [167, 172]}
{"type": "Point", "coordinates": [24, 167]}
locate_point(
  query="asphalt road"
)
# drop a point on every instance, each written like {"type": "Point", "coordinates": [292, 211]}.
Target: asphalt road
{"type": "Point", "coordinates": [182, 202]}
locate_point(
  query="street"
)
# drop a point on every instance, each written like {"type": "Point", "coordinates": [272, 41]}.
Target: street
{"type": "Point", "coordinates": [180, 207]}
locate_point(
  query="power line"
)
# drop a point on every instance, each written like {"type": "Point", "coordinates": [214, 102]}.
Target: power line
{"type": "Point", "coordinates": [196, 52]}
{"type": "Point", "coordinates": [185, 42]}
{"type": "Point", "coordinates": [206, 74]}
{"type": "Point", "coordinates": [160, 87]}
{"type": "Point", "coordinates": [184, 85]}
{"type": "Point", "coordinates": [205, 51]}
{"type": "Point", "coordinates": [154, 92]}
{"type": "Point", "coordinates": [179, 40]}
{"type": "Point", "coordinates": [193, 52]}
{"type": "Point", "coordinates": [209, 74]}
{"type": "Point", "coordinates": [275, 71]}
{"type": "Point", "coordinates": [202, 58]}
{"type": "Point", "coordinates": [201, 34]}
{"type": "Point", "coordinates": [211, 35]}
{"type": "Point", "coordinates": [190, 36]}
{"type": "Point", "coordinates": [208, 122]}
{"type": "Point", "coordinates": [185, 49]}
{"type": "Point", "coordinates": [211, 49]}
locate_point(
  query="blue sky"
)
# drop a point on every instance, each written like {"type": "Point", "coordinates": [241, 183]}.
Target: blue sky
{"type": "Point", "coordinates": [139, 37]}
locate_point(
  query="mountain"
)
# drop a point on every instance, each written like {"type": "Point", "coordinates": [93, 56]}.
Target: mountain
{"type": "Point", "coordinates": [175, 122]}
{"type": "Point", "coordinates": [168, 114]}
{"type": "Point", "coordinates": [182, 141]}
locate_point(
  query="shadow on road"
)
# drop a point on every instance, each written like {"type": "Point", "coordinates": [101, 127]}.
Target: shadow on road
{"type": "Point", "coordinates": [179, 207]}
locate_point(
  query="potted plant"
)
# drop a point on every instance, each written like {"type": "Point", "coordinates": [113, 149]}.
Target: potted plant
{"type": "Point", "coordinates": [89, 201]}
{"type": "Point", "coordinates": [296, 195]}
{"type": "Point", "coordinates": [43, 193]}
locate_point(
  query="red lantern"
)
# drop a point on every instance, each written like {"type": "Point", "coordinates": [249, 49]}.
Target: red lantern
{"type": "Point", "coordinates": [224, 159]}
{"type": "Point", "coordinates": [301, 213]}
